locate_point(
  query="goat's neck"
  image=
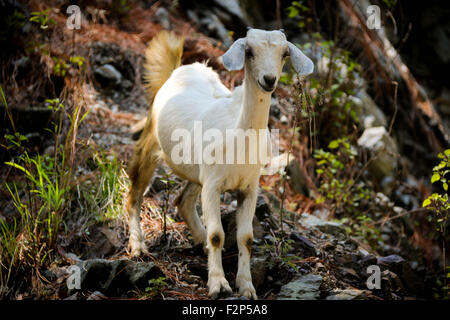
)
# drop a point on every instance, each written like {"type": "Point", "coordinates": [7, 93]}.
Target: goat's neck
{"type": "Point", "coordinates": [255, 107]}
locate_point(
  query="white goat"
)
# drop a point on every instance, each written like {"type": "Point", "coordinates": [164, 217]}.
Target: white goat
{"type": "Point", "coordinates": [183, 95]}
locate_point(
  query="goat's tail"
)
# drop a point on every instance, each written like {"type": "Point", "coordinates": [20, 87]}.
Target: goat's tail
{"type": "Point", "coordinates": [163, 55]}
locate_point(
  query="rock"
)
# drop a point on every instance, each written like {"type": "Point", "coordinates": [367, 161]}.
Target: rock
{"type": "Point", "coordinates": [23, 66]}
{"type": "Point", "coordinates": [368, 111]}
{"type": "Point", "coordinates": [161, 16]}
{"type": "Point", "coordinates": [116, 277]}
{"type": "Point", "coordinates": [108, 75]}
{"type": "Point", "coordinates": [390, 260]}
{"type": "Point", "coordinates": [367, 261]}
{"type": "Point", "coordinates": [232, 6]}
{"type": "Point", "coordinates": [390, 281]}
{"type": "Point", "coordinates": [103, 242]}
{"type": "Point", "coordinates": [258, 270]}
{"type": "Point", "coordinates": [229, 225]}
{"type": "Point", "coordinates": [97, 295]}
{"type": "Point", "coordinates": [349, 273]}
{"type": "Point", "coordinates": [264, 213]}
{"type": "Point", "coordinates": [348, 294]}
{"type": "Point", "coordinates": [297, 178]}
{"type": "Point", "coordinates": [328, 227]}
{"type": "Point", "coordinates": [304, 243]}
{"type": "Point", "coordinates": [210, 24]}
{"type": "Point", "coordinates": [383, 150]}
{"type": "Point", "coordinates": [72, 297]}
{"type": "Point", "coordinates": [363, 252]}
{"type": "Point", "coordinates": [305, 287]}
{"type": "Point", "coordinates": [411, 279]}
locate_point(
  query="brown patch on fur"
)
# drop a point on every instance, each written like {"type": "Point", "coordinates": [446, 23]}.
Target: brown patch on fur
{"type": "Point", "coordinates": [249, 243]}
{"type": "Point", "coordinates": [215, 241]}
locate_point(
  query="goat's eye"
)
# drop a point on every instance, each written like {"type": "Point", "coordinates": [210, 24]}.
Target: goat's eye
{"type": "Point", "coordinates": [249, 52]}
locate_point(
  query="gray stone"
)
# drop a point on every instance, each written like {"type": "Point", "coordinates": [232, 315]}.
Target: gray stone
{"type": "Point", "coordinates": [161, 16]}
{"type": "Point", "coordinates": [347, 294]}
{"type": "Point", "coordinates": [297, 178]}
{"type": "Point", "coordinates": [259, 270]}
{"type": "Point", "coordinates": [368, 111]}
{"type": "Point", "coordinates": [109, 73]}
{"type": "Point", "coordinates": [382, 149]}
{"type": "Point", "coordinates": [116, 277]}
{"type": "Point", "coordinates": [304, 287]}
{"type": "Point", "coordinates": [303, 242]}
{"type": "Point", "coordinates": [390, 260]}
{"type": "Point", "coordinates": [329, 227]}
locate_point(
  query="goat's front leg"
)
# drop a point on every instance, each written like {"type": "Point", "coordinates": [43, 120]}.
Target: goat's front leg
{"type": "Point", "coordinates": [244, 219]}
{"type": "Point", "coordinates": [214, 241]}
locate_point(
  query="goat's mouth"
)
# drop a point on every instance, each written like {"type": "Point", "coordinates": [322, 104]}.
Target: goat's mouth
{"type": "Point", "coordinates": [266, 88]}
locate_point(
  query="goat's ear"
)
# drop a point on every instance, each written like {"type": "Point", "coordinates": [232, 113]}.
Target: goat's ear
{"type": "Point", "coordinates": [302, 64]}
{"type": "Point", "coordinates": [234, 58]}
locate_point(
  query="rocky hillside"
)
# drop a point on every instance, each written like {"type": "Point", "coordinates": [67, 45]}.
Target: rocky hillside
{"type": "Point", "coordinates": [360, 138]}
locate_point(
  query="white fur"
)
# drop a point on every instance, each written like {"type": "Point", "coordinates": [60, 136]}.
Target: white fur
{"type": "Point", "coordinates": [195, 93]}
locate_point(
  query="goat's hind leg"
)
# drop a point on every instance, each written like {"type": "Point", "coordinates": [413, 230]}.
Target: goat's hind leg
{"type": "Point", "coordinates": [140, 172]}
{"type": "Point", "coordinates": [186, 202]}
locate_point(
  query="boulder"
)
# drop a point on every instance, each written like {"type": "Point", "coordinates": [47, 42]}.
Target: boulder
{"type": "Point", "coordinates": [297, 179]}
{"type": "Point", "coordinates": [116, 277]}
{"type": "Point", "coordinates": [305, 287]}
{"type": "Point", "coordinates": [329, 227]}
{"type": "Point", "coordinates": [368, 111]}
{"type": "Point", "coordinates": [108, 75]}
{"type": "Point", "coordinates": [383, 150]}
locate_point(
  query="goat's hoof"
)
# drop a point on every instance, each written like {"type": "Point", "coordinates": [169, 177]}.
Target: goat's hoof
{"type": "Point", "coordinates": [138, 248]}
{"type": "Point", "coordinates": [246, 289]}
{"type": "Point", "coordinates": [217, 286]}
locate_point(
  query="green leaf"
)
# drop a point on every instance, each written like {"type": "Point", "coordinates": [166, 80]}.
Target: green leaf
{"type": "Point", "coordinates": [435, 177]}
{"type": "Point", "coordinates": [333, 144]}
{"type": "Point", "coordinates": [445, 186]}
{"type": "Point", "coordinates": [426, 202]}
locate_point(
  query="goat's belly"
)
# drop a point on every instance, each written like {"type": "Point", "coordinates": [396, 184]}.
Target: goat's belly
{"type": "Point", "coordinates": [231, 177]}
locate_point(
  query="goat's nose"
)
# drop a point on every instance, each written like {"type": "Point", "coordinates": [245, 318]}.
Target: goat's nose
{"type": "Point", "coordinates": [269, 80]}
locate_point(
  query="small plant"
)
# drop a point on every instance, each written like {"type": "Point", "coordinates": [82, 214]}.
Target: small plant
{"type": "Point", "coordinates": [120, 7]}
{"type": "Point", "coordinates": [296, 11]}
{"type": "Point", "coordinates": [439, 206]}
{"type": "Point", "coordinates": [335, 170]}
{"type": "Point", "coordinates": [340, 190]}
{"type": "Point", "coordinates": [155, 287]}
{"type": "Point", "coordinates": [77, 61]}
{"type": "Point", "coordinates": [41, 195]}
{"type": "Point", "coordinates": [103, 196]}
{"type": "Point", "coordinates": [279, 251]}
{"type": "Point", "coordinates": [438, 203]}
{"type": "Point", "coordinates": [168, 182]}
{"type": "Point", "coordinates": [42, 18]}
{"type": "Point", "coordinates": [60, 68]}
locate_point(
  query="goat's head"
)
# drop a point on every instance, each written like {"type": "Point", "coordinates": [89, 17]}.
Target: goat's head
{"type": "Point", "coordinates": [263, 53]}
